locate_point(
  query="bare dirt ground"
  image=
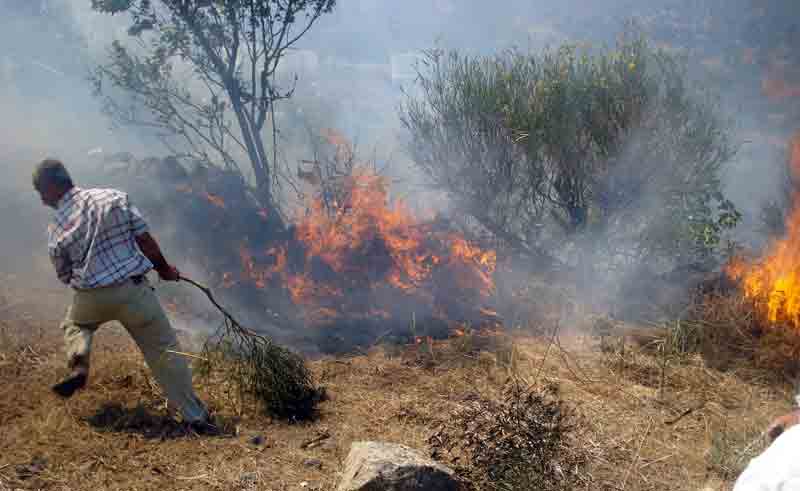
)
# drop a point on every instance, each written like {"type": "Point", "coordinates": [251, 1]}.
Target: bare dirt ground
{"type": "Point", "coordinates": [645, 422]}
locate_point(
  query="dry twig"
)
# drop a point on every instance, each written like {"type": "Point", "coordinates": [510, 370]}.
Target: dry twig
{"type": "Point", "coordinates": [638, 453]}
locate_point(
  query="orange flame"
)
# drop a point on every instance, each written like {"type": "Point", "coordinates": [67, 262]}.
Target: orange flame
{"type": "Point", "coordinates": [228, 280]}
{"type": "Point", "coordinates": [773, 281]}
{"type": "Point", "coordinates": [777, 88]}
{"type": "Point", "coordinates": [780, 81]}
{"type": "Point", "coordinates": [364, 242]}
{"type": "Point", "coordinates": [261, 276]}
{"type": "Point", "coordinates": [215, 200]}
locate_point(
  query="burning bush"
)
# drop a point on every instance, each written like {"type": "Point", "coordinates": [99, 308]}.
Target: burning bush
{"type": "Point", "coordinates": [363, 257]}
{"type": "Point", "coordinates": [770, 288]}
{"type": "Point", "coordinates": [730, 330]}
{"type": "Point", "coordinates": [773, 280]}
{"type": "Point", "coordinates": [520, 442]}
{"type": "Point", "coordinates": [354, 266]}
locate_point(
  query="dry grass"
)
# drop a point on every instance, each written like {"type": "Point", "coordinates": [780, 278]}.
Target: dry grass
{"type": "Point", "coordinates": [729, 330]}
{"type": "Point", "coordinates": [651, 424]}
{"type": "Point", "coordinates": [519, 442]}
{"type": "Point", "coordinates": [645, 421]}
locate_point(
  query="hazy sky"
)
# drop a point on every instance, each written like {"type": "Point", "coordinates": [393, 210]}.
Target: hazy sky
{"type": "Point", "coordinates": [346, 77]}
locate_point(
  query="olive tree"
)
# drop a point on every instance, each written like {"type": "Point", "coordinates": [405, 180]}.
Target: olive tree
{"type": "Point", "coordinates": [202, 72]}
{"type": "Point", "coordinates": [610, 150]}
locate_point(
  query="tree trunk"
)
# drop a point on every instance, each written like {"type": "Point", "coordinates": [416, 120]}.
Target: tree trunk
{"type": "Point", "coordinates": [266, 177]}
{"type": "Point", "coordinates": [261, 170]}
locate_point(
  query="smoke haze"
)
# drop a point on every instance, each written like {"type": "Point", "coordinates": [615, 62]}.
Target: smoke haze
{"type": "Point", "coordinates": [352, 67]}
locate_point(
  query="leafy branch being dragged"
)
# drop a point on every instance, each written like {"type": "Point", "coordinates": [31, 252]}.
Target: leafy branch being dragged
{"type": "Point", "coordinates": [276, 376]}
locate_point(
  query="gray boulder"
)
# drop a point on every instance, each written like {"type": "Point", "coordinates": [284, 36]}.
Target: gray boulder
{"type": "Point", "coordinates": [378, 466]}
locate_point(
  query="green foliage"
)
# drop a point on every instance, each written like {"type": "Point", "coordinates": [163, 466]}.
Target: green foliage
{"type": "Point", "coordinates": [611, 147]}
{"type": "Point", "coordinates": [202, 74]}
{"type": "Point", "coordinates": [112, 6]}
{"type": "Point", "coordinates": [277, 377]}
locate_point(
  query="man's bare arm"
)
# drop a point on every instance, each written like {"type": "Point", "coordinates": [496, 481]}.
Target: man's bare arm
{"type": "Point", "coordinates": [149, 247]}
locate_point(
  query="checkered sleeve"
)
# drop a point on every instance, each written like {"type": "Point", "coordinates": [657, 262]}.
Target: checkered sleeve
{"type": "Point", "coordinates": [137, 223]}
{"type": "Point", "coordinates": [60, 259]}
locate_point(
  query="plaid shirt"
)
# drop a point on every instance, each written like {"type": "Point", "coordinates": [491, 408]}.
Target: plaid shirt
{"type": "Point", "coordinates": [91, 239]}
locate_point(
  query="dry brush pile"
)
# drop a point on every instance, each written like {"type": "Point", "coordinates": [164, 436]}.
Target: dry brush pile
{"type": "Point", "coordinates": [521, 441]}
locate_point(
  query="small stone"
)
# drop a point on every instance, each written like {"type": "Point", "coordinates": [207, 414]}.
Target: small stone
{"type": "Point", "coordinates": [249, 478]}
{"type": "Point", "coordinates": [258, 440]}
{"type": "Point", "coordinates": [328, 446]}
{"type": "Point", "coordinates": [31, 469]}
{"type": "Point", "coordinates": [315, 463]}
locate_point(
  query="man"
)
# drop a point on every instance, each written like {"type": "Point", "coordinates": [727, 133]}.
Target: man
{"type": "Point", "coordinates": [100, 246]}
{"type": "Point", "coordinates": [783, 423]}
{"type": "Point", "coordinates": [777, 467]}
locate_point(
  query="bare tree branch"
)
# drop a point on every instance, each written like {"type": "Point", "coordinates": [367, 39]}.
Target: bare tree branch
{"type": "Point", "coordinates": [208, 37]}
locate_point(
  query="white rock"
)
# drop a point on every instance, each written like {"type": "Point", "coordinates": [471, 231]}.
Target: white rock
{"type": "Point", "coordinates": [378, 466]}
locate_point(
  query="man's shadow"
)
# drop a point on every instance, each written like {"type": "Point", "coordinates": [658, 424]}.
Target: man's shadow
{"type": "Point", "coordinates": [113, 417]}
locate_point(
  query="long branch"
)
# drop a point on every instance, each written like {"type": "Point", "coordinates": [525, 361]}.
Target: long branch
{"type": "Point", "coordinates": [236, 325]}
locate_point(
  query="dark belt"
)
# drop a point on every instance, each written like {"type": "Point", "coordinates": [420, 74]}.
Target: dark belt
{"type": "Point", "coordinates": [138, 279]}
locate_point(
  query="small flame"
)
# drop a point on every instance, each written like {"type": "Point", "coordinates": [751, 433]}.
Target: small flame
{"type": "Point", "coordinates": [778, 89]}
{"type": "Point", "coordinates": [489, 312]}
{"type": "Point", "coordinates": [215, 200]}
{"type": "Point", "coordinates": [228, 280]}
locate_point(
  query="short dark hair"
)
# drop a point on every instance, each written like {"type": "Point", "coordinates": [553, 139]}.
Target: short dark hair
{"type": "Point", "coordinates": [52, 171]}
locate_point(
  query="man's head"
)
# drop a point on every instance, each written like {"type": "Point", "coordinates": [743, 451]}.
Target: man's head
{"type": "Point", "coordinates": [52, 181]}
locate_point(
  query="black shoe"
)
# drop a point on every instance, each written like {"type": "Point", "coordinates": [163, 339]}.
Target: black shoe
{"type": "Point", "coordinates": [68, 386]}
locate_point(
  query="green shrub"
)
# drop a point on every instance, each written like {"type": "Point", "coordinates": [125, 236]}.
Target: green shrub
{"type": "Point", "coordinates": [551, 151]}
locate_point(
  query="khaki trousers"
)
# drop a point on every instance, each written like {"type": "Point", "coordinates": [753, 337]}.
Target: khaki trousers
{"type": "Point", "coordinates": [138, 309]}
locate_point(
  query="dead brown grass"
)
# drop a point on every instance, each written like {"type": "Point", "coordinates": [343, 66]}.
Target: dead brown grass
{"type": "Point", "coordinates": [730, 330]}
{"type": "Point", "coordinates": [644, 420]}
